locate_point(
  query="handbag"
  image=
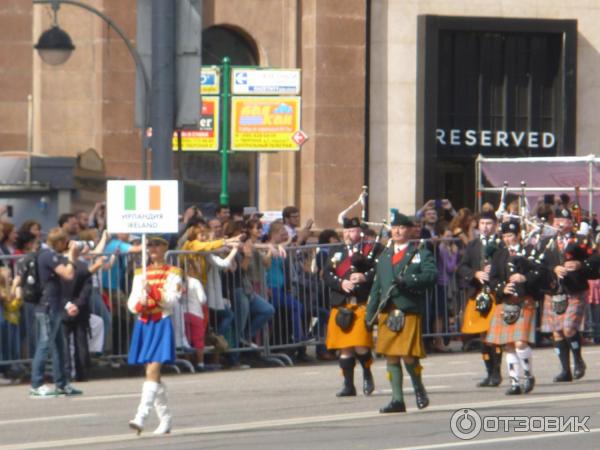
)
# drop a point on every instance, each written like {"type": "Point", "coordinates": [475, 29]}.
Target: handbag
{"type": "Point", "coordinates": [511, 313]}
{"type": "Point", "coordinates": [217, 341]}
{"type": "Point", "coordinates": [344, 318]}
{"type": "Point", "coordinates": [395, 321]}
{"type": "Point", "coordinates": [559, 303]}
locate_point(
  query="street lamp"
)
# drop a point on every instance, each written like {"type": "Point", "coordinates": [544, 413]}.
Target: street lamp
{"type": "Point", "coordinates": [54, 46]}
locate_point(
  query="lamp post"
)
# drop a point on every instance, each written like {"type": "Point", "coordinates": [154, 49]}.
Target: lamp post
{"type": "Point", "coordinates": [55, 47]}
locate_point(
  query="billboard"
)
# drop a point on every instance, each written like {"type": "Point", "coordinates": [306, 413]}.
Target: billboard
{"type": "Point", "coordinates": [265, 123]}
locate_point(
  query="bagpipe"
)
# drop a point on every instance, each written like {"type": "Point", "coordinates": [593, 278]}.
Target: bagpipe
{"type": "Point", "coordinates": [484, 300]}
{"type": "Point", "coordinates": [359, 261]}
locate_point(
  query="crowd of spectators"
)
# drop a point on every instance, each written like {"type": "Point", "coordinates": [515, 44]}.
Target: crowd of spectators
{"type": "Point", "coordinates": [245, 282]}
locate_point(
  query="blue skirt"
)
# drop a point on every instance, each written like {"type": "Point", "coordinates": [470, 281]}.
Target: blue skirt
{"type": "Point", "coordinates": [152, 342]}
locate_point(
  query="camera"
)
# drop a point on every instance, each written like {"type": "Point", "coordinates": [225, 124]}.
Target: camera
{"type": "Point", "coordinates": [82, 245]}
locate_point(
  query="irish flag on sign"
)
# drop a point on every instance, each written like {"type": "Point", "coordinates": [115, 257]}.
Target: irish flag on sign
{"type": "Point", "coordinates": [137, 197]}
{"type": "Point", "coordinates": [142, 206]}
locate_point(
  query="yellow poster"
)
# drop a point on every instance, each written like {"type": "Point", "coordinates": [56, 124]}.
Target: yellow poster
{"type": "Point", "coordinates": [265, 123]}
{"type": "Point", "coordinates": [206, 138]}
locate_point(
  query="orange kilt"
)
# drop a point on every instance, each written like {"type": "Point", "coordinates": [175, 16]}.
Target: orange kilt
{"type": "Point", "coordinates": [356, 336]}
{"type": "Point", "coordinates": [473, 321]}
{"type": "Point", "coordinates": [407, 342]}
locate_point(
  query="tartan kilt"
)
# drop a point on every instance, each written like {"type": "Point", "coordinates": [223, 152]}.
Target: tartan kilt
{"type": "Point", "coordinates": [572, 317]}
{"type": "Point", "coordinates": [523, 329]}
{"type": "Point", "coordinates": [407, 342]}
{"type": "Point", "coordinates": [473, 321]}
{"type": "Point", "coordinates": [356, 336]}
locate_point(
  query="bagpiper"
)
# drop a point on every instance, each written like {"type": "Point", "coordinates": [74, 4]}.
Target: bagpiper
{"type": "Point", "coordinates": [565, 304]}
{"type": "Point", "coordinates": [404, 271]}
{"type": "Point", "coordinates": [474, 269]}
{"type": "Point", "coordinates": [515, 281]}
{"type": "Point", "coordinates": [349, 275]}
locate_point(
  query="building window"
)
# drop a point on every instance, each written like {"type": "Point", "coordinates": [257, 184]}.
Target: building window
{"type": "Point", "coordinates": [499, 93]}
{"type": "Point", "coordinates": [491, 86]}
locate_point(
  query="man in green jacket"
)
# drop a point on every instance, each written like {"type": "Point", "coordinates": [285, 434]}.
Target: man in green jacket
{"type": "Point", "coordinates": [404, 271]}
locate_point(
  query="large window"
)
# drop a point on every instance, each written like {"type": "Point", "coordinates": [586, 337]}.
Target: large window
{"type": "Point", "coordinates": [492, 86]}
{"type": "Point", "coordinates": [201, 171]}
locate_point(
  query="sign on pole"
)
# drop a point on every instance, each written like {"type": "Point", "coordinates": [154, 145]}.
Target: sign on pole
{"type": "Point", "coordinates": [210, 81]}
{"type": "Point", "coordinates": [265, 123]}
{"type": "Point", "coordinates": [259, 81]}
{"type": "Point", "coordinates": [206, 138]}
{"type": "Point", "coordinates": [135, 206]}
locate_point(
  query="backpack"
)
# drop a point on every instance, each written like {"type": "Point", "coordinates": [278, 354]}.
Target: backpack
{"type": "Point", "coordinates": [31, 287]}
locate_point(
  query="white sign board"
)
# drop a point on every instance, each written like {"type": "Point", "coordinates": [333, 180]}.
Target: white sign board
{"type": "Point", "coordinates": [136, 206]}
{"type": "Point", "coordinates": [271, 216]}
{"type": "Point", "coordinates": [265, 81]}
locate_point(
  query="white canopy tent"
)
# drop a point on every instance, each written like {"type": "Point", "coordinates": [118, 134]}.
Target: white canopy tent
{"type": "Point", "coordinates": [543, 175]}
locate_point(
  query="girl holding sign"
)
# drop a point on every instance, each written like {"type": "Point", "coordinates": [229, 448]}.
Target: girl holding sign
{"type": "Point", "coordinates": [153, 295]}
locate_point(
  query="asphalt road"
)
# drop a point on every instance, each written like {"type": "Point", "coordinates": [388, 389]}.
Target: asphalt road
{"type": "Point", "coordinates": [296, 408]}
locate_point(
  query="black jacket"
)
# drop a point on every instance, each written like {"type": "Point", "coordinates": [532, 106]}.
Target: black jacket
{"type": "Point", "coordinates": [363, 262]}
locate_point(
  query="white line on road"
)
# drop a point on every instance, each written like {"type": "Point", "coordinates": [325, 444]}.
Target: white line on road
{"type": "Point", "coordinates": [46, 419]}
{"type": "Point", "coordinates": [481, 442]}
{"type": "Point", "coordinates": [249, 426]}
{"type": "Point", "coordinates": [106, 397]}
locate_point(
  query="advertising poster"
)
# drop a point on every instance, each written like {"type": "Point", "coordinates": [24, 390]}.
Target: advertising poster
{"type": "Point", "coordinates": [265, 123]}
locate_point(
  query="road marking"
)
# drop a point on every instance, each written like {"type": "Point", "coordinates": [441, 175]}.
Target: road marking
{"type": "Point", "coordinates": [47, 419]}
{"type": "Point", "coordinates": [408, 390]}
{"type": "Point", "coordinates": [266, 424]}
{"type": "Point", "coordinates": [481, 442]}
{"type": "Point", "coordinates": [106, 397]}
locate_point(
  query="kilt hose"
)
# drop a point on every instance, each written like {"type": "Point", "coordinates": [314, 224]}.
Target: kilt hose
{"type": "Point", "coordinates": [406, 342]}
{"type": "Point", "coordinates": [571, 318]}
{"type": "Point", "coordinates": [356, 336]}
{"type": "Point", "coordinates": [523, 329]}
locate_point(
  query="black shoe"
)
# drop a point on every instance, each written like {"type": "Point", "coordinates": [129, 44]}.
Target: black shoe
{"type": "Point", "coordinates": [422, 399]}
{"type": "Point", "coordinates": [486, 382]}
{"type": "Point", "coordinates": [368, 383]}
{"type": "Point", "coordinates": [495, 380]}
{"type": "Point", "coordinates": [347, 391]}
{"type": "Point", "coordinates": [514, 389]}
{"type": "Point", "coordinates": [579, 369]}
{"type": "Point", "coordinates": [529, 384]}
{"type": "Point", "coordinates": [393, 407]}
{"type": "Point", "coordinates": [563, 377]}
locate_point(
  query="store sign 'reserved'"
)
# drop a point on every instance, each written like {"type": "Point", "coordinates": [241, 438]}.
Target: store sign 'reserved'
{"type": "Point", "coordinates": [495, 139]}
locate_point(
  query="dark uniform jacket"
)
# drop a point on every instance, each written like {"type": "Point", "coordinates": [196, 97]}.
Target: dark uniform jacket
{"type": "Point", "coordinates": [536, 275]}
{"type": "Point", "coordinates": [473, 260]}
{"type": "Point", "coordinates": [575, 250]}
{"type": "Point", "coordinates": [419, 274]}
{"type": "Point", "coordinates": [341, 265]}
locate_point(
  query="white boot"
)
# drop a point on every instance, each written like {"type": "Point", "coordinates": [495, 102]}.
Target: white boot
{"type": "Point", "coordinates": [149, 390]}
{"type": "Point", "coordinates": [162, 410]}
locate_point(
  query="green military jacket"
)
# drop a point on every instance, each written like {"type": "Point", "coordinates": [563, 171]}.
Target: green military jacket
{"type": "Point", "coordinates": [419, 275]}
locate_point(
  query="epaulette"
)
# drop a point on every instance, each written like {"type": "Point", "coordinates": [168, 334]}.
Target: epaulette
{"type": "Point", "coordinates": [175, 270]}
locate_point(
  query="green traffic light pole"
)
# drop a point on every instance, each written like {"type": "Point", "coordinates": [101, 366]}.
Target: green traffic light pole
{"type": "Point", "coordinates": [225, 130]}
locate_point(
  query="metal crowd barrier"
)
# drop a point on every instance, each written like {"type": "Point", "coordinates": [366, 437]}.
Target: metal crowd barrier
{"type": "Point", "coordinates": [291, 289]}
